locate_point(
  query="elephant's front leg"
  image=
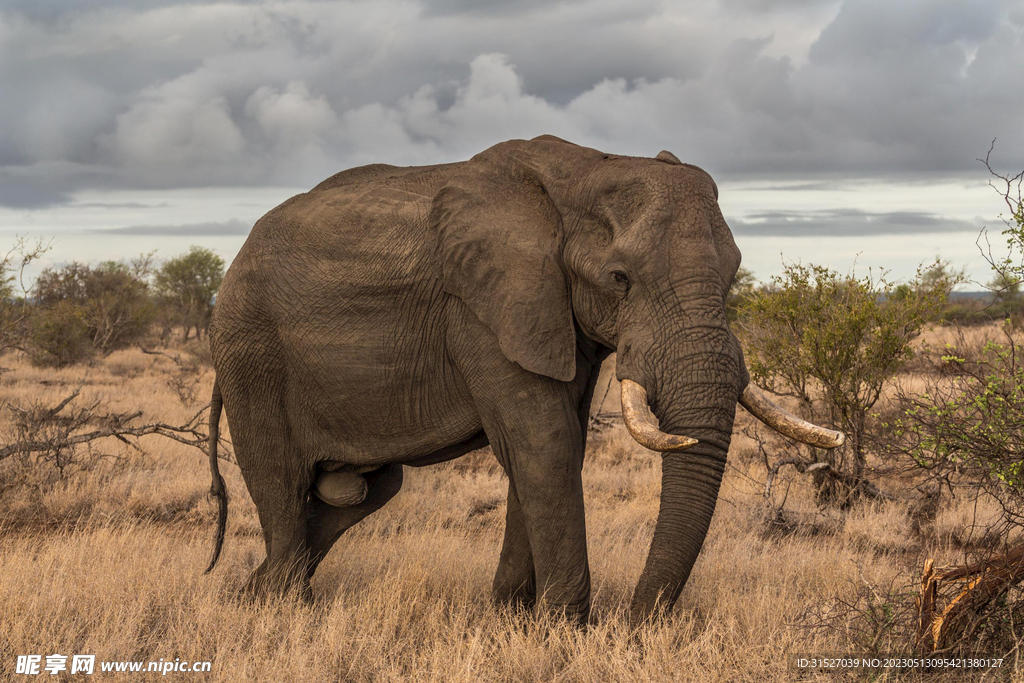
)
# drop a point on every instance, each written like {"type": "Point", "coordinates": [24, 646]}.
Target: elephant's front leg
{"type": "Point", "coordinates": [514, 580]}
{"type": "Point", "coordinates": [533, 425]}
{"type": "Point", "coordinates": [538, 441]}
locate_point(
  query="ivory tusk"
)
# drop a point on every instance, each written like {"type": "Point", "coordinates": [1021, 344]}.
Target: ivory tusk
{"type": "Point", "coordinates": [787, 424]}
{"type": "Point", "coordinates": [642, 424]}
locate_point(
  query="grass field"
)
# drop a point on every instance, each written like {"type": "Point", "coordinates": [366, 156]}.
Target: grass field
{"type": "Point", "coordinates": [109, 560]}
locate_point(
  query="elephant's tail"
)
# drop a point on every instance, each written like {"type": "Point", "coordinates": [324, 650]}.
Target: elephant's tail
{"type": "Point", "coordinates": [217, 488]}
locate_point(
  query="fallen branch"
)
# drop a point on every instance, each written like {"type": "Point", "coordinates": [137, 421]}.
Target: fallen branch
{"type": "Point", "coordinates": [601, 421]}
{"type": "Point", "coordinates": [62, 432]}
{"type": "Point", "coordinates": [975, 587]}
{"type": "Point", "coordinates": [176, 358]}
{"type": "Point", "coordinates": [853, 483]}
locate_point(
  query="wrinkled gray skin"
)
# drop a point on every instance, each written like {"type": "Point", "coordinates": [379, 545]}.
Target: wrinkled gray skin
{"type": "Point", "coordinates": [398, 317]}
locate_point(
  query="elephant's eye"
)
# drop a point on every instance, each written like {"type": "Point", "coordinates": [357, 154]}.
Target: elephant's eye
{"type": "Point", "coordinates": [621, 278]}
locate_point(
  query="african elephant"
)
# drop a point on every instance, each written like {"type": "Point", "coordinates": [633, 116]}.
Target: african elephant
{"type": "Point", "coordinates": [406, 316]}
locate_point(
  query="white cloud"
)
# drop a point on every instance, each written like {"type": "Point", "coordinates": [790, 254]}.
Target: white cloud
{"type": "Point", "coordinates": [168, 129]}
{"type": "Point", "coordinates": [296, 129]}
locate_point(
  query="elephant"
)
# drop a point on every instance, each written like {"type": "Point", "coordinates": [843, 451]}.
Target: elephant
{"type": "Point", "coordinates": [405, 316]}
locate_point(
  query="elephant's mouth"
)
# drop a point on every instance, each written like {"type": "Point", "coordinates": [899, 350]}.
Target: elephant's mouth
{"type": "Point", "coordinates": [643, 426]}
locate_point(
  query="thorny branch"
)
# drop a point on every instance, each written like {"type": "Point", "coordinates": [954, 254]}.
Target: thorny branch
{"type": "Point", "coordinates": [47, 430]}
{"type": "Point", "coordinates": [1011, 189]}
{"type": "Point", "coordinates": [186, 382]}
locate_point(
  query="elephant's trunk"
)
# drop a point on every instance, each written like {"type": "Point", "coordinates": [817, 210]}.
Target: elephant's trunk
{"type": "Point", "coordinates": [694, 434]}
{"type": "Point", "coordinates": [689, 490]}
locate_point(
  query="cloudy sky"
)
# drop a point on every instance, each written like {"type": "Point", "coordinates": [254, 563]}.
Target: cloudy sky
{"type": "Point", "coordinates": [839, 131]}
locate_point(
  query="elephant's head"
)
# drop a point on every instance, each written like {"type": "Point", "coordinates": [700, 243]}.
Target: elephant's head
{"type": "Point", "coordinates": [545, 240]}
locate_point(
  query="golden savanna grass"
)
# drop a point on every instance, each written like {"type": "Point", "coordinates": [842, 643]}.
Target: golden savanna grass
{"type": "Point", "coordinates": [109, 562]}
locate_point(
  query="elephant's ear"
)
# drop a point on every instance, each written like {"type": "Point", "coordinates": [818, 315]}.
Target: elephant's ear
{"type": "Point", "coordinates": [668, 157]}
{"type": "Point", "coordinates": [498, 249]}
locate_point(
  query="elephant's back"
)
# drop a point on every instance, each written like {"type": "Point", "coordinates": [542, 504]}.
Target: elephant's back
{"type": "Point", "coordinates": [355, 251]}
{"type": "Point", "coordinates": [361, 210]}
{"type": "Point", "coordinates": [380, 174]}
{"type": "Point", "coordinates": [361, 230]}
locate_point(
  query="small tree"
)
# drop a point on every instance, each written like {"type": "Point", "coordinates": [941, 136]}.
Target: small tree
{"type": "Point", "coordinates": [1006, 294]}
{"type": "Point", "coordinates": [941, 277]}
{"type": "Point", "coordinates": [120, 309]}
{"type": "Point", "coordinates": [112, 300]}
{"type": "Point", "coordinates": [187, 284]}
{"type": "Point", "coordinates": [14, 304]}
{"type": "Point", "coordinates": [967, 425]}
{"type": "Point", "coordinates": [833, 343]}
{"type": "Point", "coordinates": [59, 335]}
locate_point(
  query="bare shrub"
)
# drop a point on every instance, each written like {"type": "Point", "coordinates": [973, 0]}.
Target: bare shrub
{"type": "Point", "coordinates": [43, 431]}
{"type": "Point", "coordinates": [14, 305]}
{"type": "Point", "coordinates": [47, 443]}
{"type": "Point", "coordinates": [190, 371]}
{"type": "Point", "coordinates": [877, 615]}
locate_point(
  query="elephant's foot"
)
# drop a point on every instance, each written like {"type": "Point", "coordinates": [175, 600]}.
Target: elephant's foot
{"type": "Point", "coordinates": [520, 600]}
{"type": "Point", "coordinates": [516, 589]}
{"type": "Point", "coordinates": [275, 580]}
{"type": "Point", "coordinates": [341, 489]}
{"type": "Point", "coordinates": [578, 614]}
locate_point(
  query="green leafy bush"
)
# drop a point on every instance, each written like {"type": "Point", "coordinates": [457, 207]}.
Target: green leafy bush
{"type": "Point", "coordinates": [834, 342]}
{"type": "Point", "coordinates": [967, 425]}
{"type": "Point", "coordinates": [112, 300]}
{"type": "Point", "coordinates": [59, 335]}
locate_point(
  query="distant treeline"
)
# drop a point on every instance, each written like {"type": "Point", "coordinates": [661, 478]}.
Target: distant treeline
{"type": "Point", "coordinates": [1003, 299]}
{"type": "Point", "coordinates": [977, 308]}
{"type": "Point", "coordinates": [79, 310]}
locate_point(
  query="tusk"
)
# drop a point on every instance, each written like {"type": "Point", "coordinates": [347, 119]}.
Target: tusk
{"type": "Point", "coordinates": [787, 424]}
{"type": "Point", "coordinates": [642, 424]}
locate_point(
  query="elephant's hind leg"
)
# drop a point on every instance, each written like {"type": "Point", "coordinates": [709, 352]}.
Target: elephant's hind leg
{"type": "Point", "coordinates": [279, 483]}
{"type": "Point", "coordinates": [326, 523]}
{"type": "Point", "coordinates": [281, 500]}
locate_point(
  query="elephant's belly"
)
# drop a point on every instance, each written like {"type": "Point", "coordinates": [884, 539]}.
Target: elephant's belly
{"type": "Point", "coordinates": [447, 453]}
{"type": "Point", "coordinates": [385, 391]}
{"type": "Point", "coordinates": [342, 485]}
{"type": "Point", "coordinates": [366, 431]}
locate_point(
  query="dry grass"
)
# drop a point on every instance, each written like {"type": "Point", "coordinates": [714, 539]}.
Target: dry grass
{"type": "Point", "coordinates": [109, 562]}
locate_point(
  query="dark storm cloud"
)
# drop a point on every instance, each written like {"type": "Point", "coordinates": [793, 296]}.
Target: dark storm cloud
{"type": "Point", "coordinates": [484, 7]}
{"type": "Point", "coordinates": [26, 193]}
{"type": "Point", "coordinates": [771, 5]}
{"type": "Point", "coordinates": [118, 205]}
{"type": "Point", "coordinates": [143, 94]}
{"type": "Point", "coordinates": [225, 228]}
{"type": "Point", "coordinates": [51, 10]}
{"type": "Point", "coordinates": [846, 222]}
